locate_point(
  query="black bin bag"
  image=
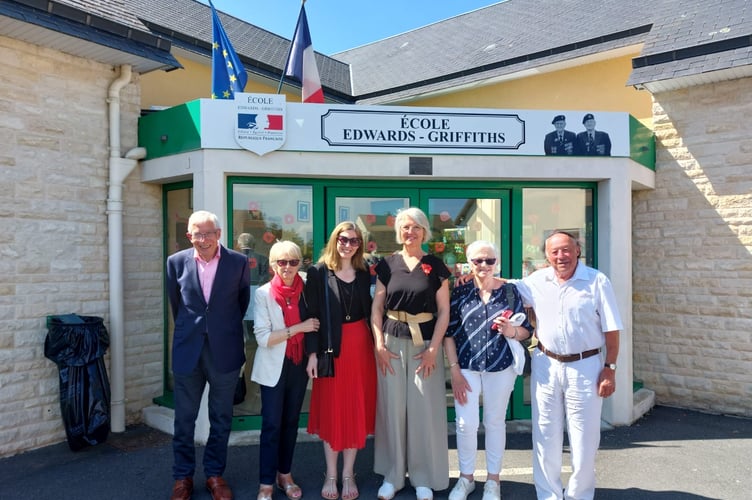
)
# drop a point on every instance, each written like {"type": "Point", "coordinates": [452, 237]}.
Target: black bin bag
{"type": "Point", "coordinates": [77, 345]}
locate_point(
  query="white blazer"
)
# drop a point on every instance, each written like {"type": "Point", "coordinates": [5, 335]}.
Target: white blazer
{"type": "Point", "coordinates": [267, 317]}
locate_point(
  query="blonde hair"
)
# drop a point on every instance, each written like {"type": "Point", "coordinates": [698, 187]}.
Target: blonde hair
{"type": "Point", "coordinates": [329, 255]}
{"type": "Point", "coordinates": [418, 217]}
{"type": "Point", "coordinates": [284, 249]}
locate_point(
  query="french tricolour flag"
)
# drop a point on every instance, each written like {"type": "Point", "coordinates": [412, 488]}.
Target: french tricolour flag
{"type": "Point", "coordinates": [301, 62]}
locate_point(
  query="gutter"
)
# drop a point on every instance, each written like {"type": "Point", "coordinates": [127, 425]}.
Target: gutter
{"type": "Point", "coordinates": [119, 169]}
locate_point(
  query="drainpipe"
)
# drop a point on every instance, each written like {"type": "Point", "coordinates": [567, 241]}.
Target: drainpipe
{"type": "Point", "coordinates": [119, 169]}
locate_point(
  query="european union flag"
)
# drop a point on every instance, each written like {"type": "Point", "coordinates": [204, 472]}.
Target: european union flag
{"type": "Point", "coordinates": [228, 73]}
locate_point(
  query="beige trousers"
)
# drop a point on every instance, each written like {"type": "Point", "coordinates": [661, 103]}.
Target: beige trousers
{"type": "Point", "coordinates": [411, 424]}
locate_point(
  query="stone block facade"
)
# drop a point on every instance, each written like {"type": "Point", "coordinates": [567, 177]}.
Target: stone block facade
{"type": "Point", "coordinates": [692, 253]}
{"type": "Point", "coordinates": [53, 157]}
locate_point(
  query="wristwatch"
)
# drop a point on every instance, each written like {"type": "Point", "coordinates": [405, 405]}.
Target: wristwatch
{"type": "Point", "coordinates": [611, 365]}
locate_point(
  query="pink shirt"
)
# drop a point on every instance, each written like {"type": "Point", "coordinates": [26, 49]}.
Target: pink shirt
{"type": "Point", "coordinates": [206, 272]}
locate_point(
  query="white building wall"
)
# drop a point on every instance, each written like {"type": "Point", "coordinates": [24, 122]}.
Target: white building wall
{"type": "Point", "coordinates": [53, 221]}
{"type": "Point", "coordinates": [692, 252]}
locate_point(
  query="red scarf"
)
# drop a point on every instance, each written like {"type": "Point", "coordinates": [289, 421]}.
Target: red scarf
{"type": "Point", "coordinates": [288, 298]}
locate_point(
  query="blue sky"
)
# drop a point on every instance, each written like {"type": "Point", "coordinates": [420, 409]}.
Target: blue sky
{"type": "Point", "coordinates": [338, 25]}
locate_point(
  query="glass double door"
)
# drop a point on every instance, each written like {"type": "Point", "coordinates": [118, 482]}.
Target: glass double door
{"type": "Point", "coordinates": [457, 218]}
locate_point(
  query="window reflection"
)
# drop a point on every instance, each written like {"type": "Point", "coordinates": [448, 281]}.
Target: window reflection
{"type": "Point", "coordinates": [179, 203]}
{"type": "Point", "coordinates": [263, 214]}
{"type": "Point", "coordinates": [457, 222]}
{"type": "Point", "coordinates": [543, 212]}
{"type": "Point", "coordinates": [271, 213]}
{"type": "Point", "coordinates": [375, 219]}
{"type": "Point", "coordinates": [547, 210]}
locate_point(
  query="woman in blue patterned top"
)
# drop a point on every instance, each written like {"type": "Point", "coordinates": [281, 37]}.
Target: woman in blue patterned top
{"type": "Point", "coordinates": [478, 348]}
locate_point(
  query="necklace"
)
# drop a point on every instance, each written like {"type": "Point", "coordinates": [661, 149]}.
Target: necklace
{"type": "Point", "coordinates": [346, 291]}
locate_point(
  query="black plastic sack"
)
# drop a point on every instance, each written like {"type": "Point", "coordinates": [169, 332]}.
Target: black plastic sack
{"type": "Point", "coordinates": [77, 345]}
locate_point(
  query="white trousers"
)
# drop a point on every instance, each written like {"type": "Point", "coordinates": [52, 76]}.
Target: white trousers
{"type": "Point", "coordinates": [495, 387]}
{"type": "Point", "coordinates": [565, 392]}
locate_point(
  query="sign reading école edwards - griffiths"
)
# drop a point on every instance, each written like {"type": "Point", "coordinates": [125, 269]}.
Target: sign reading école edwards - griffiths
{"type": "Point", "coordinates": [406, 129]}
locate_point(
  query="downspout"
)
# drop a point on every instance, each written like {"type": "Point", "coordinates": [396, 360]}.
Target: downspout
{"type": "Point", "coordinates": [119, 169]}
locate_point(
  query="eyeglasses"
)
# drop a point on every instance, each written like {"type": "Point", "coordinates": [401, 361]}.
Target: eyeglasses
{"type": "Point", "coordinates": [204, 236]}
{"type": "Point", "coordinates": [344, 241]}
{"type": "Point", "coordinates": [478, 262]}
{"type": "Point", "coordinates": [285, 262]}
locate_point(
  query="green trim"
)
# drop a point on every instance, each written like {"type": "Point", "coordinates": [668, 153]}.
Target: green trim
{"type": "Point", "coordinates": [517, 407]}
{"type": "Point", "coordinates": [486, 192]}
{"type": "Point", "coordinates": [167, 400]}
{"type": "Point", "coordinates": [641, 143]}
{"type": "Point", "coordinates": [171, 131]}
{"type": "Point", "coordinates": [515, 245]}
{"type": "Point", "coordinates": [167, 394]}
{"type": "Point", "coordinates": [418, 192]}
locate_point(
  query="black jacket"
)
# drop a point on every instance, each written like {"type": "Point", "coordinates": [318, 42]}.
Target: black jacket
{"type": "Point", "coordinates": [320, 276]}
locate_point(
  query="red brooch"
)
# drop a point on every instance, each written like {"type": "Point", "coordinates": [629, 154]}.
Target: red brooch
{"type": "Point", "coordinates": [426, 268]}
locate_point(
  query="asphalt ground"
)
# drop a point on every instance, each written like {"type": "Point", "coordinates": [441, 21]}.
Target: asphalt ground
{"type": "Point", "coordinates": [668, 454]}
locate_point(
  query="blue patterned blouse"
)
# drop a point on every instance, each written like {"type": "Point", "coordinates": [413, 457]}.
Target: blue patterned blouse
{"type": "Point", "coordinates": [479, 348]}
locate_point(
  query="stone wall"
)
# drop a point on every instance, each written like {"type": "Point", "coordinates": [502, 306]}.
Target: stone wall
{"type": "Point", "coordinates": [53, 254]}
{"type": "Point", "coordinates": [693, 252]}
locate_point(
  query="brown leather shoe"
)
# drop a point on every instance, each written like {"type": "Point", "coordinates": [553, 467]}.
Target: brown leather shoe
{"type": "Point", "coordinates": [218, 488]}
{"type": "Point", "coordinates": [182, 489]}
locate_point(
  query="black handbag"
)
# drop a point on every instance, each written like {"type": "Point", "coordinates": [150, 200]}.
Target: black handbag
{"type": "Point", "coordinates": [240, 390]}
{"type": "Point", "coordinates": [325, 365]}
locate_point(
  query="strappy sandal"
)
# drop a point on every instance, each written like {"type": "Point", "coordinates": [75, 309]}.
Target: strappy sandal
{"type": "Point", "coordinates": [265, 492]}
{"type": "Point", "coordinates": [289, 488]}
{"type": "Point", "coordinates": [348, 484]}
{"type": "Point", "coordinates": [330, 494]}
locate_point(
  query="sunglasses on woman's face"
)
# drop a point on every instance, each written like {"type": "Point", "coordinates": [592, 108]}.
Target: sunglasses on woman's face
{"type": "Point", "coordinates": [344, 241]}
{"type": "Point", "coordinates": [291, 262]}
{"type": "Point", "coordinates": [478, 262]}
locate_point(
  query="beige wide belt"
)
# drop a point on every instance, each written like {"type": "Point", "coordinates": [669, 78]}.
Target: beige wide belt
{"type": "Point", "coordinates": [413, 323]}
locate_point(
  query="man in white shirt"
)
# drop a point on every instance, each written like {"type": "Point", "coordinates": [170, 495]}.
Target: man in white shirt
{"type": "Point", "coordinates": [577, 325]}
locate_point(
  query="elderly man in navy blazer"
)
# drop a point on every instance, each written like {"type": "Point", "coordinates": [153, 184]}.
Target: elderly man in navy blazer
{"type": "Point", "coordinates": [209, 290]}
{"type": "Point", "coordinates": [592, 142]}
{"type": "Point", "coordinates": [561, 141]}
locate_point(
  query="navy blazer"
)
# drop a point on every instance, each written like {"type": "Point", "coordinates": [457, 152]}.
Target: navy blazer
{"type": "Point", "coordinates": [220, 321]}
{"type": "Point", "coordinates": [318, 277]}
{"type": "Point", "coordinates": [601, 145]}
{"type": "Point", "coordinates": [565, 147]}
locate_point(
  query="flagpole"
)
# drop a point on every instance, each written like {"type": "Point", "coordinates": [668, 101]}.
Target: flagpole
{"type": "Point", "coordinates": [289, 51]}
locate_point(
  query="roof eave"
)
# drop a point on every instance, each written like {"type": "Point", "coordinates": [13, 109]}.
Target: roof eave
{"type": "Point", "coordinates": [141, 50]}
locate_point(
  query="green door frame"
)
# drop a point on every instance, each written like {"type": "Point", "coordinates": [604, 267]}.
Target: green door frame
{"type": "Point", "coordinates": [418, 191]}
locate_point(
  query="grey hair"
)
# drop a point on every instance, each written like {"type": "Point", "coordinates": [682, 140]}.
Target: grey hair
{"type": "Point", "coordinates": [476, 246]}
{"type": "Point", "coordinates": [246, 240]}
{"type": "Point", "coordinates": [202, 216]}
{"type": "Point", "coordinates": [418, 217]}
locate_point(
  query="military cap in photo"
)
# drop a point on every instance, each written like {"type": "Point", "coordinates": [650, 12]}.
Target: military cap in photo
{"type": "Point", "coordinates": [558, 118]}
{"type": "Point", "coordinates": [587, 117]}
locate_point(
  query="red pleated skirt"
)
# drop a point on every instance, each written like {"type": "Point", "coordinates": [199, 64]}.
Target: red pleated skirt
{"type": "Point", "coordinates": [343, 407]}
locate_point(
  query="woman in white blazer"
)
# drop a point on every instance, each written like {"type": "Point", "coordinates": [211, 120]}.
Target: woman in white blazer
{"type": "Point", "coordinates": [280, 319]}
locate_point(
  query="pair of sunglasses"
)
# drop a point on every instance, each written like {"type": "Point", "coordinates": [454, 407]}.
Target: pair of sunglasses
{"type": "Point", "coordinates": [478, 262]}
{"type": "Point", "coordinates": [344, 241]}
{"type": "Point", "coordinates": [291, 262]}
